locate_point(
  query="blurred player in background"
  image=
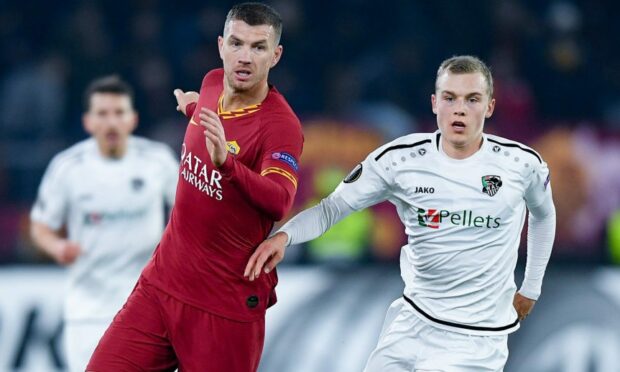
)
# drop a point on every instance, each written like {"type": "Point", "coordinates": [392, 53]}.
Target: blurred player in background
{"type": "Point", "coordinates": [192, 307]}
{"type": "Point", "coordinates": [462, 196]}
{"type": "Point", "coordinates": [111, 192]}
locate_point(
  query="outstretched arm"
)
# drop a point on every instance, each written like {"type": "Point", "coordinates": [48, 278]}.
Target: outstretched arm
{"type": "Point", "coordinates": [305, 226]}
{"type": "Point", "coordinates": [186, 101]}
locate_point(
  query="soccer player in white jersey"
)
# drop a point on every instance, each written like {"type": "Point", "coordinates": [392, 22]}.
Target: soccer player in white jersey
{"type": "Point", "coordinates": [462, 196]}
{"type": "Point", "coordinates": [110, 192]}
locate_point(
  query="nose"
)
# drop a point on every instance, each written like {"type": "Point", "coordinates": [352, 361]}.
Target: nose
{"type": "Point", "coordinates": [460, 108]}
{"type": "Point", "coordinates": [244, 56]}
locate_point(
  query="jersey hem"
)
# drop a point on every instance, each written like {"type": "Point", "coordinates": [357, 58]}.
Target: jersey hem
{"type": "Point", "coordinates": [461, 328]}
{"type": "Point", "coordinates": [200, 307]}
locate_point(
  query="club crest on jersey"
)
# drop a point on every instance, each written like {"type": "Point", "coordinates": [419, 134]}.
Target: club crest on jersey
{"type": "Point", "coordinates": [233, 147]}
{"type": "Point", "coordinates": [491, 184]}
{"type": "Point", "coordinates": [137, 184]}
{"type": "Point", "coordinates": [354, 175]}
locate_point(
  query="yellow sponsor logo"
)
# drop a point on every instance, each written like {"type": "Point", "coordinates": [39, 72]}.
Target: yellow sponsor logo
{"type": "Point", "coordinates": [233, 147]}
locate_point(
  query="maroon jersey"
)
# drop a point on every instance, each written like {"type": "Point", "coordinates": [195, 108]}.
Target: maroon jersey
{"type": "Point", "coordinates": [222, 214]}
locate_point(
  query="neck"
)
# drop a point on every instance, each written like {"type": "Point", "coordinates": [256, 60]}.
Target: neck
{"type": "Point", "coordinates": [458, 151]}
{"type": "Point", "coordinates": [114, 153]}
{"type": "Point", "coordinates": [234, 100]}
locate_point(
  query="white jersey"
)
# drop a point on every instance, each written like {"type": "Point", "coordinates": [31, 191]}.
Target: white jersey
{"type": "Point", "coordinates": [115, 210]}
{"type": "Point", "coordinates": [463, 219]}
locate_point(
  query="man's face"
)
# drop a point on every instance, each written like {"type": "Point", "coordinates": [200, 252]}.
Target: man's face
{"type": "Point", "coordinates": [110, 119]}
{"type": "Point", "coordinates": [462, 103]}
{"type": "Point", "coordinates": [248, 52]}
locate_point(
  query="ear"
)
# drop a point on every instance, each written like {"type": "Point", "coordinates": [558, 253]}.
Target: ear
{"type": "Point", "coordinates": [220, 45]}
{"type": "Point", "coordinates": [277, 54]}
{"type": "Point", "coordinates": [135, 121]}
{"type": "Point", "coordinates": [87, 123]}
{"type": "Point", "coordinates": [490, 108]}
{"type": "Point", "coordinates": [434, 103]}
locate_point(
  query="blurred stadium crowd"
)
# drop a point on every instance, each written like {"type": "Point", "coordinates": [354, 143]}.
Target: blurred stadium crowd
{"type": "Point", "coordinates": [358, 73]}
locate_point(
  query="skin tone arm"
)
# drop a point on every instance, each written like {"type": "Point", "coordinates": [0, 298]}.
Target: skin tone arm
{"type": "Point", "coordinates": [268, 254]}
{"type": "Point", "coordinates": [63, 251]}
{"type": "Point", "coordinates": [184, 99]}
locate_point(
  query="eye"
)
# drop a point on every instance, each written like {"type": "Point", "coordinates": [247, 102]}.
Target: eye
{"type": "Point", "coordinates": [474, 100]}
{"type": "Point", "coordinates": [235, 43]}
{"type": "Point", "coordinates": [448, 98]}
{"type": "Point", "coordinates": [261, 47]}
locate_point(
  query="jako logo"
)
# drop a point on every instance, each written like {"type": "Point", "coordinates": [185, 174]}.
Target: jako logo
{"type": "Point", "coordinates": [424, 190]}
{"type": "Point", "coordinates": [434, 217]}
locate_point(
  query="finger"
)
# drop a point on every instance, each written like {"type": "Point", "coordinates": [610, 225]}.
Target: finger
{"type": "Point", "coordinates": [214, 131]}
{"type": "Point", "coordinates": [272, 263]}
{"type": "Point", "coordinates": [250, 265]}
{"type": "Point", "coordinates": [177, 92]}
{"type": "Point", "coordinates": [260, 262]}
{"type": "Point", "coordinates": [215, 139]}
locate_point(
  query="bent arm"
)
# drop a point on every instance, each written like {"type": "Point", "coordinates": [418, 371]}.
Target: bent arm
{"type": "Point", "coordinates": [52, 243]}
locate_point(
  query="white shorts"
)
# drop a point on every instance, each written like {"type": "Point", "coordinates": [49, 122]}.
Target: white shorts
{"type": "Point", "coordinates": [409, 344]}
{"type": "Point", "coordinates": [81, 339]}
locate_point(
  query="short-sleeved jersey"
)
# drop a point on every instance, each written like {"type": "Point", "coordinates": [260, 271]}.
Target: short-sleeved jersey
{"type": "Point", "coordinates": [115, 209]}
{"type": "Point", "coordinates": [215, 227]}
{"type": "Point", "coordinates": [463, 219]}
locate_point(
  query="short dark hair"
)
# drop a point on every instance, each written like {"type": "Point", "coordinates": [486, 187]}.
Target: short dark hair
{"type": "Point", "coordinates": [466, 65]}
{"type": "Point", "coordinates": [256, 14]}
{"type": "Point", "coordinates": [112, 84]}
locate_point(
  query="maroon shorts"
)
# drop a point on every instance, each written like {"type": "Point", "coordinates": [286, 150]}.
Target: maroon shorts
{"type": "Point", "coordinates": [156, 332]}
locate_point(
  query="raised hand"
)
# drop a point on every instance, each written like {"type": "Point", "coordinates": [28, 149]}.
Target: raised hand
{"type": "Point", "coordinates": [214, 136]}
{"type": "Point", "coordinates": [184, 99]}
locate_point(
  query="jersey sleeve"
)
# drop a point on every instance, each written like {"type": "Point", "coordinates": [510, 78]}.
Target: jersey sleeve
{"type": "Point", "coordinates": [51, 205]}
{"type": "Point", "coordinates": [273, 189]}
{"type": "Point", "coordinates": [282, 148]}
{"type": "Point", "coordinates": [368, 183]}
{"type": "Point", "coordinates": [538, 188]}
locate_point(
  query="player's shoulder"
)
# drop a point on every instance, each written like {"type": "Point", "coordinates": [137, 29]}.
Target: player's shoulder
{"type": "Point", "coordinates": [277, 116]}
{"type": "Point", "coordinates": [73, 155]}
{"type": "Point", "coordinates": [276, 106]}
{"type": "Point", "coordinates": [150, 148]}
{"type": "Point", "coordinates": [501, 145]}
{"type": "Point", "coordinates": [213, 77]}
{"type": "Point", "coordinates": [412, 143]}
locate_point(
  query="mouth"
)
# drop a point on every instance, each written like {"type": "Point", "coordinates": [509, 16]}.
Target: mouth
{"type": "Point", "coordinates": [112, 137]}
{"type": "Point", "coordinates": [458, 126]}
{"type": "Point", "coordinates": [243, 74]}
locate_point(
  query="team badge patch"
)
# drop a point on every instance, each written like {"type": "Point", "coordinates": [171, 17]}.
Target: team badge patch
{"type": "Point", "coordinates": [233, 147]}
{"type": "Point", "coordinates": [287, 158]}
{"type": "Point", "coordinates": [137, 184]}
{"type": "Point", "coordinates": [491, 184]}
{"type": "Point", "coordinates": [354, 175]}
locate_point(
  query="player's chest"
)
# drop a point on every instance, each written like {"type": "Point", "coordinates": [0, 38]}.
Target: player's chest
{"type": "Point", "coordinates": [485, 186]}
{"type": "Point", "coordinates": [114, 188]}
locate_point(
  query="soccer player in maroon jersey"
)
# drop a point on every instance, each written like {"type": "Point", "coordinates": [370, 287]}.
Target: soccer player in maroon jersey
{"type": "Point", "coordinates": [192, 309]}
